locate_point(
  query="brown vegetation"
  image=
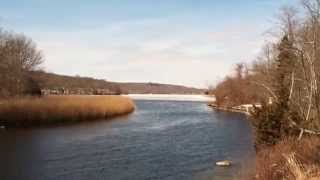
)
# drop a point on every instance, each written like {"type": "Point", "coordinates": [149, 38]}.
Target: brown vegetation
{"type": "Point", "coordinates": [18, 57]}
{"type": "Point", "coordinates": [61, 109]}
{"type": "Point", "coordinates": [290, 160]}
{"type": "Point", "coordinates": [238, 89]}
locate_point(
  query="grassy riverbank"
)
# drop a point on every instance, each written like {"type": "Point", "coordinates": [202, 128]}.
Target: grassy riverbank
{"type": "Point", "coordinates": [62, 109]}
{"type": "Point", "coordinates": [289, 159]}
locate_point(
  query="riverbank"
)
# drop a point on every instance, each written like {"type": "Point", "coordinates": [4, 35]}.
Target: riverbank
{"type": "Point", "coordinates": [50, 110]}
{"type": "Point", "coordinates": [289, 159]}
{"type": "Point", "coordinates": [237, 109]}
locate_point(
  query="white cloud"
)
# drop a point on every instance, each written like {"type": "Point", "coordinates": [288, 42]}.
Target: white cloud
{"type": "Point", "coordinates": [149, 51]}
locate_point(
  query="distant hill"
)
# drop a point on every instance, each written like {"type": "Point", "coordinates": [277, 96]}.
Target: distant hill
{"type": "Point", "coordinates": [52, 83]}
{"type": "Point", "coordinates": [156, 88]}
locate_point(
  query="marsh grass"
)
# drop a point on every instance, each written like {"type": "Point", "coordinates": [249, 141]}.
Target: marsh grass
{"type": "Point", "coordinates": [290, 160]}
{"type": "Point", "coordinates": [61, 109]}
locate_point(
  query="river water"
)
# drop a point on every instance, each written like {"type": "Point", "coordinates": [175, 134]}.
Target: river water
{"type": "Point", "coordinates": [160, 140]}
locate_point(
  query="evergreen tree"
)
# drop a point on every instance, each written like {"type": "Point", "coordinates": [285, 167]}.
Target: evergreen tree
{"type": "Point", "coordinates": [271, 121]}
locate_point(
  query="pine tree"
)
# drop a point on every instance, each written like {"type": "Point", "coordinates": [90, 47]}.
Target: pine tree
{"type": "Point", "coordinates": [271, 121]}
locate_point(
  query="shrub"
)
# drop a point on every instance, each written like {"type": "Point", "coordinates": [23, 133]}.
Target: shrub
{"type": "Point", "coordinates": [290, 160]}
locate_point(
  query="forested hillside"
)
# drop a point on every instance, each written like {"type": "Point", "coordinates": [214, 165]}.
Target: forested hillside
{"type": "Point", "coordinates": [156, 88]}
{"type": "Point", "coordinates": [85, 85]}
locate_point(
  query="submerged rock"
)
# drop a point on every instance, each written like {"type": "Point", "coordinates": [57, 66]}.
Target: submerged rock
{"type": "Point", "coordinates": [224, 163]}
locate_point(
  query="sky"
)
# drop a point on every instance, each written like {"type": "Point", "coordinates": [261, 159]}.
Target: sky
{"type": "Point", "coordinates": [185, 42]}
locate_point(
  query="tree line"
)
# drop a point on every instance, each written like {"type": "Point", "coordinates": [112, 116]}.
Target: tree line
{"type": "Point", "coordinates": [285, 78]}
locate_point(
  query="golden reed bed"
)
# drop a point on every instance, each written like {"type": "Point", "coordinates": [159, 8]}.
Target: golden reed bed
{"type": "Point", "coordinates": [62, 109]}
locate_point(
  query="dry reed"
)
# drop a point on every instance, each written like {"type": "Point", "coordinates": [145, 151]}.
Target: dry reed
{"type": "Point", "coordinates": [290, 160]}
{"type": "Point", "coordinates": [61, 109]}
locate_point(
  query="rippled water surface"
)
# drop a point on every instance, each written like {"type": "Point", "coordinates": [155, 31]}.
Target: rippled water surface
{"type": "Point", "coordinates": [160, 140]}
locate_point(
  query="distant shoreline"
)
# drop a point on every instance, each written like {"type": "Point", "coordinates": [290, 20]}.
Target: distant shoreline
{"type": "Point", "coordinates": [172, 97]}
{"type": "Point", "coordinates": [56, 84]}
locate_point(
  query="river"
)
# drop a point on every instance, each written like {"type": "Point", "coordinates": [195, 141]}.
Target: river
{"type": "Point", "coordinates": [160, 140]}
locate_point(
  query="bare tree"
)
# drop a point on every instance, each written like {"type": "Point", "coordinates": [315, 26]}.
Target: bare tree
{"type": "Point", "coordinates": [18, 56]}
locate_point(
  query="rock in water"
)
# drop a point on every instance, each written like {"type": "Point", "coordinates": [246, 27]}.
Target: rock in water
{"type": "Point", "coordinates": [224, 163]}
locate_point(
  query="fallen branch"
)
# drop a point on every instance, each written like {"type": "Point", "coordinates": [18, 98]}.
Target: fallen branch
{"type": "Point", "coordinates": [308, 131]}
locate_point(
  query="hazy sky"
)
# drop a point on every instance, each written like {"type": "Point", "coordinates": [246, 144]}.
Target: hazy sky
{"type": "Point", "coordinates": [188, 42]}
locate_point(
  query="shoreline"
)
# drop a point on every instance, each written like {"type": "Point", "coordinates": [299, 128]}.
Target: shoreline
{"type": "Point", "coordinates": [229, 109]}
